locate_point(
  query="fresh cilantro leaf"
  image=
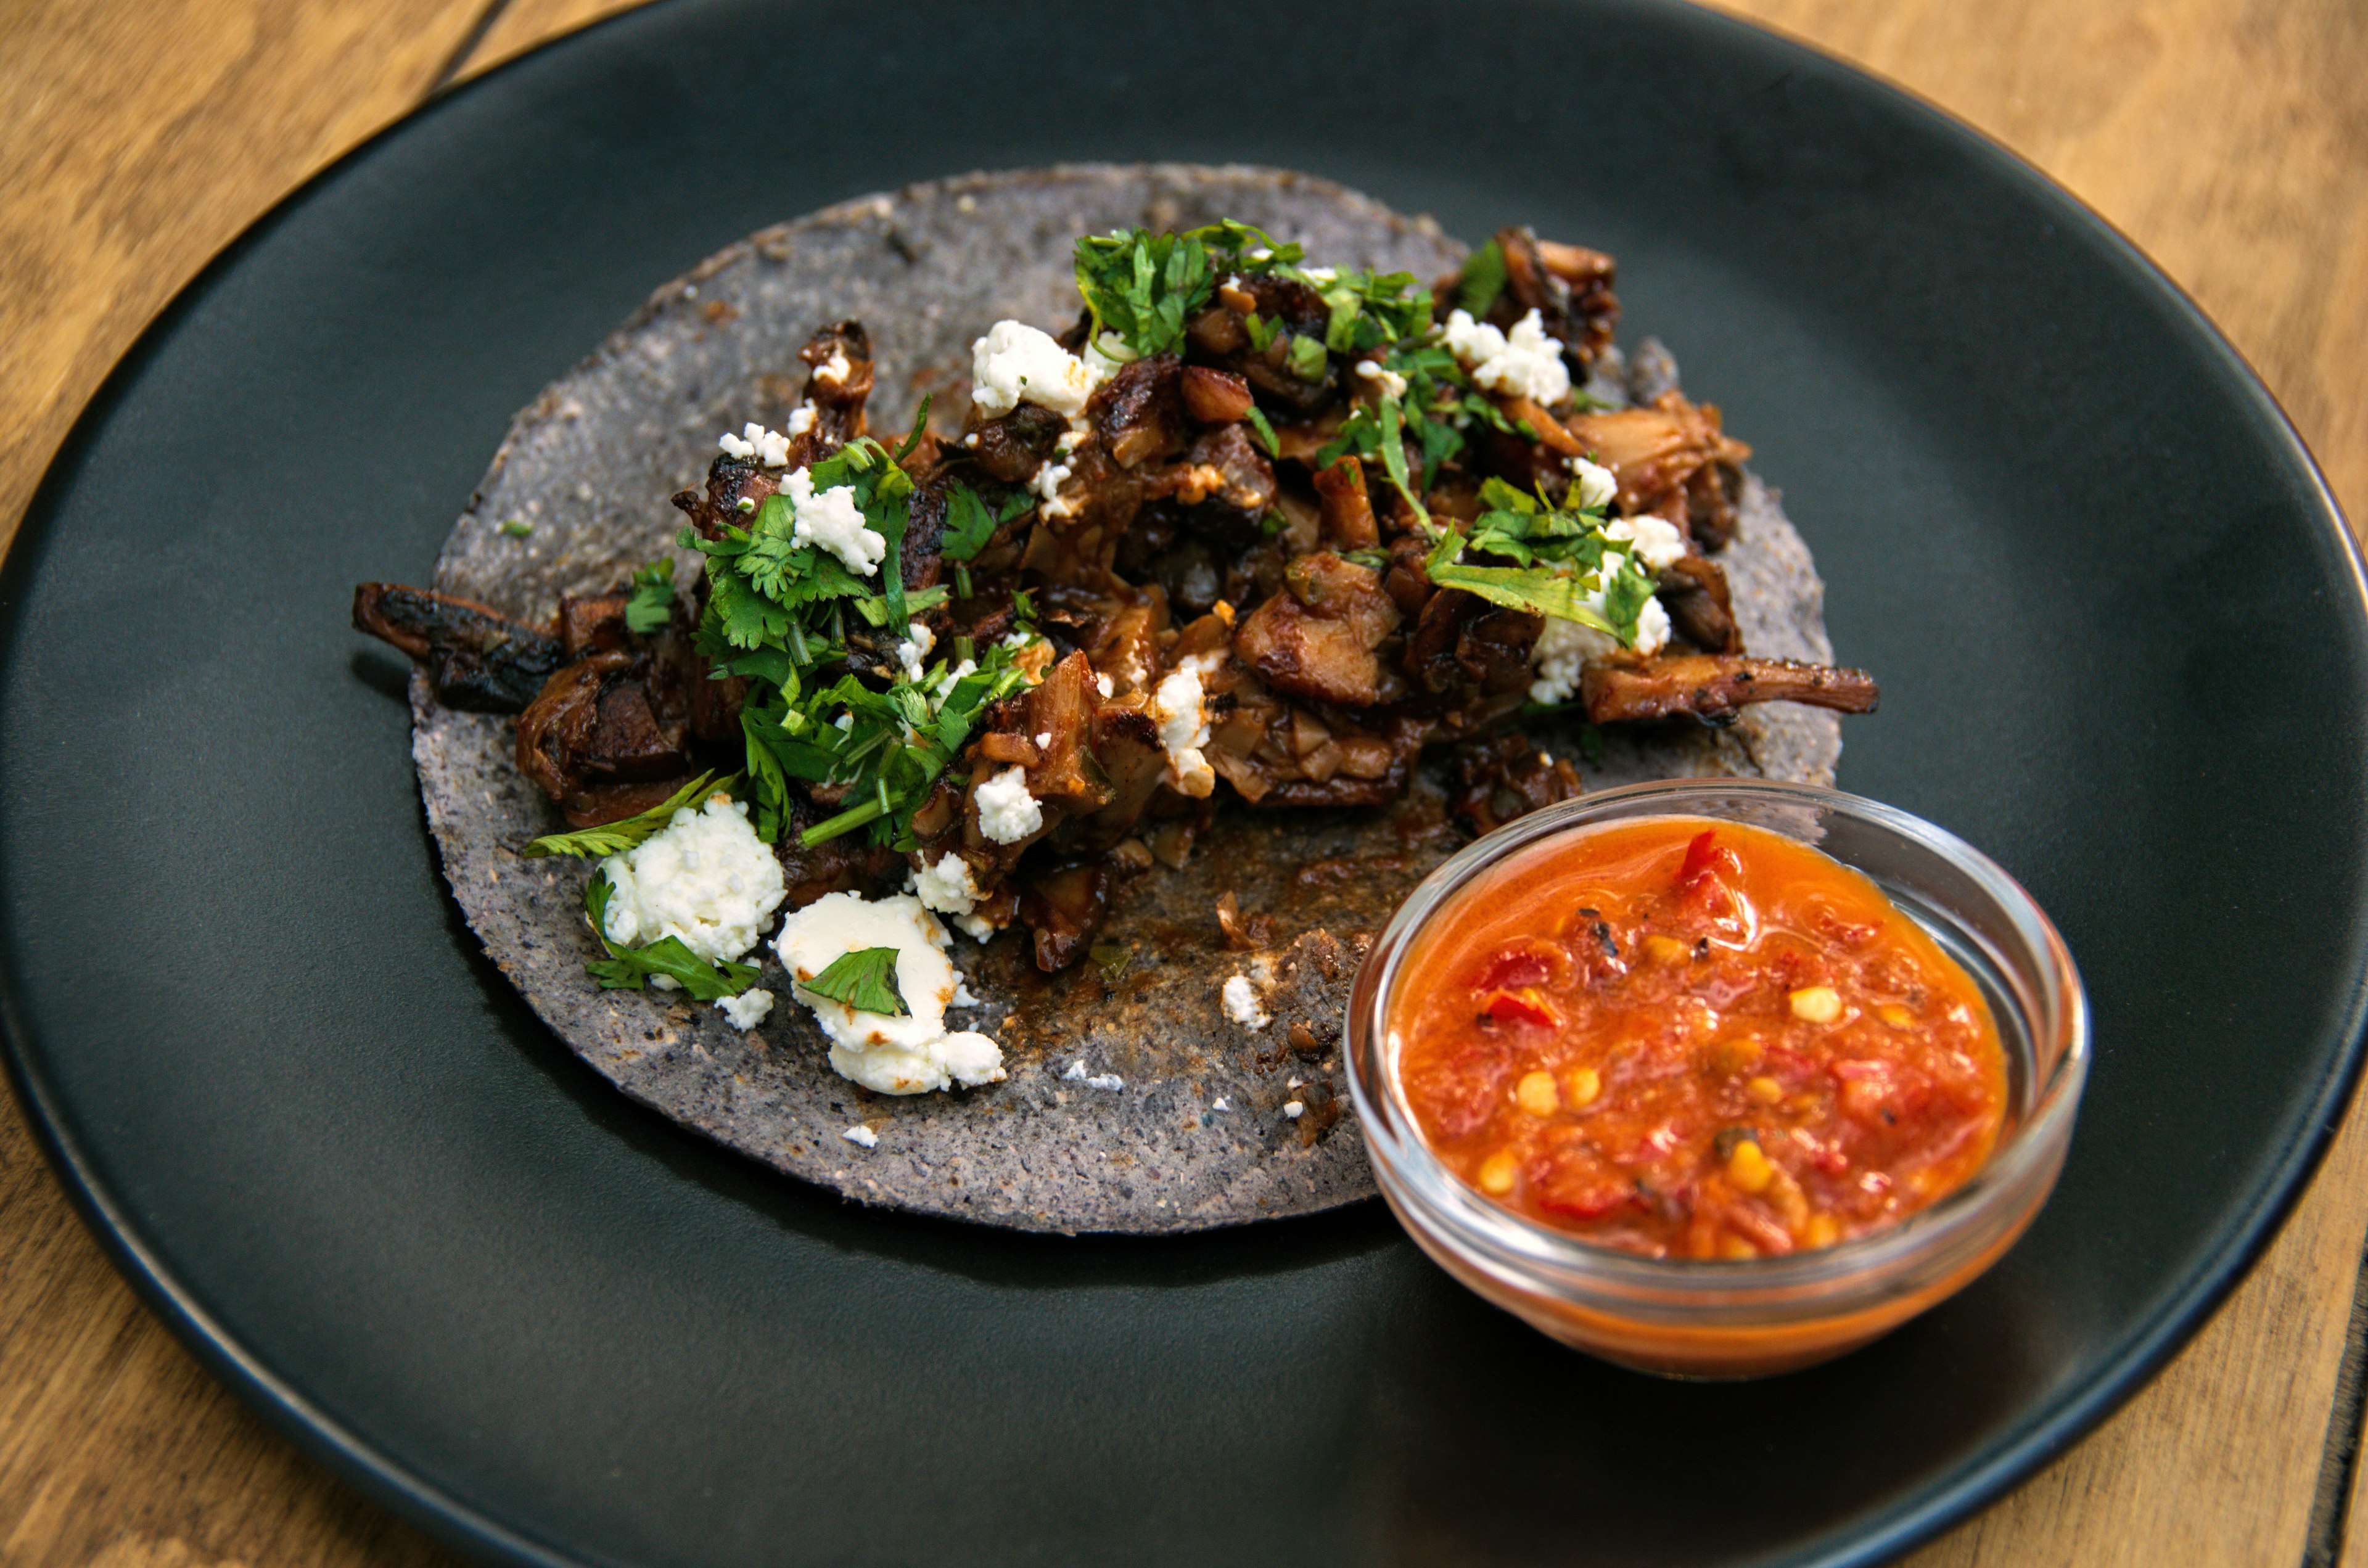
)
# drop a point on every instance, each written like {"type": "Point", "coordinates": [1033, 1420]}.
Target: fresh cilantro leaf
{"type": "Point", "coordinates": [1307, 359]}
{"type": "Point", "coordinates": [517, 528]}
{"type": "Point", "coordinates": [865, 980]}
{"type": "Point", "coordinates": [969, 523]}
{"type": "Point", "coordinates": [1261, 331]}
{"type": "Point", "coordinates": [629, 968]}
{"type": "Point", "coordinates": [651, 605]}
{"type": "Point", "coordinates": [616, 837]}
{"type": "Point", "coordinates": [1143, 287]}
{"type": "Point", "coordinates": [1483, 279]}
{"type": "Point", "coordinates": [1537, 589]}
{"type": "Point", "coordinates": [1266, 436]}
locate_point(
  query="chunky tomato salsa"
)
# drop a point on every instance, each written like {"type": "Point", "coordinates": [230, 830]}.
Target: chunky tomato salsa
{"type": "Point", "coordinates": [1694, 1039]}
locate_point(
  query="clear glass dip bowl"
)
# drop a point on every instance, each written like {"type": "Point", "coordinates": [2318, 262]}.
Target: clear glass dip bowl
{"type": "Point", "coordinates": [1719, 1318]}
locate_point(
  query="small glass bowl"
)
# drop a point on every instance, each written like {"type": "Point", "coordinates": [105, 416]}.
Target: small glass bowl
{"type": "Point", "coordinates": [1718, 1318]}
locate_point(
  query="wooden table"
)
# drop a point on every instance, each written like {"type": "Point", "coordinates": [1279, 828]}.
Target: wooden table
{"type": "Point", "coordinates": [2229, 138]}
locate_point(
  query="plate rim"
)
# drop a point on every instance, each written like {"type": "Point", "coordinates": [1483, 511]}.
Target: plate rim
{"type": "Point", "coordinates": [2014, 1456]}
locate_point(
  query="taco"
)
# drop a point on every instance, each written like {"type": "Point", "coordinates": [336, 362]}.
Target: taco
{"type": "Point", "coordinates": [1093, 681]}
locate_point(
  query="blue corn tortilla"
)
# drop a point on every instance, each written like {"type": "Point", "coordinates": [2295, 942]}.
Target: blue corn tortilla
{"type": "Point", "coordinates": [589, 466]}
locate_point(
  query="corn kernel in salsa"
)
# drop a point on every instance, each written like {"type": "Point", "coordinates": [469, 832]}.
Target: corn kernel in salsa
{"type": "Point", "coordinates": [1695, 1038]}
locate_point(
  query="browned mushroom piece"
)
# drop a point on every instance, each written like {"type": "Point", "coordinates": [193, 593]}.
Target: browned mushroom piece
{"type": "Point", "coordinates": [1713, 687]}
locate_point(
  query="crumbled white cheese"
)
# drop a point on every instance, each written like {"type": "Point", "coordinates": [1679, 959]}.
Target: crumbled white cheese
{"type": "Point", "coordinates": [977, 928]}
{"type": "Point", "coordinates": [949, 887]}
{"type": "Point", "coordinates": [802, 420]}
{"type": "Point", "coordinates": [1242, 1004]}
{"type": "Point", "coordinates": [908, 1055]}
{"type": "Point", "coordinates": [1393, 384]}
{"type": "Point", "coordinates": [1043, 740]}
{"type": "Point", "coordinates": [1182, 714]}
{"type": "Point", "coordinates": [1596, 485]}
{"type": "Point", "coordinates": [945, 688]}
{"type": "Point", "coordinates": [835, 369]}
{"type": "Point", "coordinates": [1106, 1081]}
{"type": "Point", "coordinates": [1049, 480]}
{"type": "Point", "coordinates": [1221, 1103]}
{"type": "Point", "coordinates": [768, 447]}
{"type": "Point", "coordinates": [1076, 1072]}
{"type": "Point", "coordinates": [919, 641]}
{"type": "Point", "coordinates": [861, 1136]}
{"type": "Point", "coordinates": [747, 1009]}
{"type": "Point", "coordinates": [705, 878]}
{"type": "Point", "coordinates": [1526, 364]}
{"type": "Point", "coordinates": [833, 522]}
{"type": "Point", "coordinates": [1657, 541]}
{"type": "Point", "coordinates": [1651, 627]}
{"type": "Point", "coordinates": [1016, 361]}
{"type": "Point", "coordinates": [1294, 1110]}
{"type": "Point", "coordinates": [1567, 647]}
{"type": "Point", "coordinates": [1006, 811]}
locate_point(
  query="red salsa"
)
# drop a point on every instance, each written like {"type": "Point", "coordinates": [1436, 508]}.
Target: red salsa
{"type": "Point", "coordinates": [1694, 1039]}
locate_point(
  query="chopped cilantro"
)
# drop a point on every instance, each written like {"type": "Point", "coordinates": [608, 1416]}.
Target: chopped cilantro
{"type": "Point", "coordinates": [1307, 359]}
{"type": "Point", "coordinates": [517, 528]}
{"type": "Point", "coordinates": [1561, 555]}
{"type": "Point", "coordinates": [1266, 436]}
{"type": "Point", "coordinates": [969, 522]}
{"type": "Point", "coordinates": [651, 604]}
{"type": "Point", "coordinates": [865, 980]}
{"type": "Point", "coordinates": [1483, 279]}
{"type": "Point", "coordinates": [616, 837]}
{"type": "Point", "coordinates": [629, 968]}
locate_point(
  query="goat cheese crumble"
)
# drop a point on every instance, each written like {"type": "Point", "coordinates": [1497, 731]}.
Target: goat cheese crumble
{"type": "Point", "coordinates": [911, 1055]}
{"type": "Point", "coordinates": [1181, 711]}
{"type": "Point", "coordinates": [1564, 648]}
{"type": "Point", "coordinates": [1655, 542]}
{"type": "Point", "coordinates": [1392, 384]}
{"type": "Point", "coordinates": [833, 521]}
{"type": "Point", "coordinates": [1016, 361]}
{"type": "Point", "coordinates": [1596, 485]}
{"type": "Point", "coordinates": [914, 649]}
{"type": "Point", "coordinates": [705, 879]}
{"type": "Point", "coordinates": [768, 447]}
{"type": "Point", "coordinates": [1526, 363]}
{"type": "Point", "coordinates": [1006, 811]}
{"type": "Point", "coordinates": [861, 1137]}
{"type": "Point", "coordinates": [746, 1010]}
{"type": "Point", "coordinates": [800, 420]}
{"type": "Point", "coordinates": [1242, 1004]}
{"type": "Point", "coordinates": [949, 887]}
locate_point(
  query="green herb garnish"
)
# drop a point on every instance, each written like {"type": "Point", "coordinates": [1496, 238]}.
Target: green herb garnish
{"type": "Point", "coordinates": [865, 980]}
{"type": "Point", "coordinates": [616, 837]}
{"type": "Point", "coordinates": [630, 968]}
{"type": "Point", "coordinates": [969, 522]}
{"type": "Point", "coordinates": [1483, 279]}
{"type": "Point", "coordinates": [651, 605]}
{"type": "Point", "coordinates": [517, 528]}
{"type": "Point", "coordinates": [1264, 431]}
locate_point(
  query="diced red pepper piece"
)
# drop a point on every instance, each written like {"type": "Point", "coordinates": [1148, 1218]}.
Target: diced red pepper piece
{"type": "Point", "coordinates": [1706, 860]}
{"type": "Point", "coordinates": [1524, 1007]}
{"type": "Point", "coordinates": [1521, 966]}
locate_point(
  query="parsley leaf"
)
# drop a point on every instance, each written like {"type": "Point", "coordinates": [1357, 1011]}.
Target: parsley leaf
{"type": "Point", "coordinates": [616, 837]}
{"type": "Point", "coordinates": [1483, 279]}
{"type": "Point", "coordinates": [629, 968]}
{"type": "Point", "coordinates": [865, 980]}
{"type": "Point", "coordinates": [969, 523]}
{"type": "Point", "coordinates": [651, 605]}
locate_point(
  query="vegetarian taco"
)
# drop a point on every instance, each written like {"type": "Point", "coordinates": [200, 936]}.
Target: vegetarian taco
{"type": "Point", "coordinates": [1112, 588]}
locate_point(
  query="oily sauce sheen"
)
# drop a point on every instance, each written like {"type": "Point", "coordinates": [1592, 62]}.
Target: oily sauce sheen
{"type": "Point", "coordinates": [1694, 1039]}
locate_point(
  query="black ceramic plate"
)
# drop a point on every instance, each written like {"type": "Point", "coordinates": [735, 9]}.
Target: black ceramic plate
{"type": "Point", "coordinates": [2117, 621]}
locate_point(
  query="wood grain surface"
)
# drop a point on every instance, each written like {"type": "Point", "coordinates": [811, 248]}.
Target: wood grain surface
{"type": "Point", "coordinates": [2229, 138]}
